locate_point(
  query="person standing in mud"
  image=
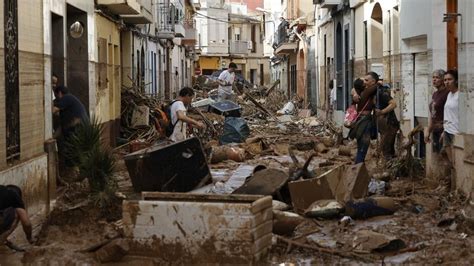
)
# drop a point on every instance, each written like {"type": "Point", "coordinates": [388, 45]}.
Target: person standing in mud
{"type": "Point", "coordinates": [13, 212]}
{"type": "Point", "coordinates": [71, 114]}
{"type": "Point", "coordinates": [226, 79]}
{"type": "Point", "coordinates": [363, 127]}
{"type": "Point", "coordinates": [332, 98]}
{"type": "Point", "coordinates": [451, 119]}
{"type": "Point", "coordinates": [436, 107]}
{"type": "Point", "coordinates": [387, 122]}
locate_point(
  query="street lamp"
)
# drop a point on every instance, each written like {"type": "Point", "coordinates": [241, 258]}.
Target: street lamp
{"type": "Point", "coordinates": [76, 30]}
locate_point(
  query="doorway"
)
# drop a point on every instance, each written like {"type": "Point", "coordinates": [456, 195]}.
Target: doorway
{"type": "Point", "coordinates": [78, 57]}
{"type": "Point", "coordinates": [57, 46]}
{"type": "Point", "coordinates": [253, 76]}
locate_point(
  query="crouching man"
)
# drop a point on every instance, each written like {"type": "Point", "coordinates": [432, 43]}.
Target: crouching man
{"type": "Point", "coordinates": [12, 212]}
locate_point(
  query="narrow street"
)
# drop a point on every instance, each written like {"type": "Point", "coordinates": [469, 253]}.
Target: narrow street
{"type": "Point", "coordinates": [241, 132]}
{"type": "Point", "coordinates": [426, 219]}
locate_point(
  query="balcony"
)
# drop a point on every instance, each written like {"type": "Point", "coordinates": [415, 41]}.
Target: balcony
{"type": "Point", "coordinates": [121, 7]}
{"type": "Point", "coordinates": [283, 44]}
{"type": "Point", "coordinates": [189, 33]}
{"type": "Point", "coordinates": [164, 25]}
{"type": "Point", "coordinates": [238, 47]}
{"type": "Point", "coordinates": [179, 30]}
{"type": "Point", "coordinates": [327, 3]}
{"type": "Point", "coordinates": [144, 17]}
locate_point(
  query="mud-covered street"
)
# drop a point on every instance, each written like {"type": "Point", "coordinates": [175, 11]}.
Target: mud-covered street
{"type": "Point", "coordinates": [427, 224]}
{"type": "Point", "coordinates": [236, 132]}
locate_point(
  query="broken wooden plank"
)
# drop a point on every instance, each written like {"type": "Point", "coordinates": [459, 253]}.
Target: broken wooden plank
{"type": "Point", "coordinates": [269, 90]}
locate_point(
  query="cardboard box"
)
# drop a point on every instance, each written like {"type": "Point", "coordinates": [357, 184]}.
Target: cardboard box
{"type": "Point", "coordinates": [341, 183]}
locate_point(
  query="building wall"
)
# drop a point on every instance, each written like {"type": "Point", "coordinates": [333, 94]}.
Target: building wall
{"type": "Point", "coordinates": [464, 143]}
{"type": "Point", "coordinates": [370, 44]}
{"type": "Point", "coordinates": [213, 38]}
{"type": "Point", "coordinates": [31, 92]}
{"type": "Point", "coordinates": [108, 77]}
{"type": "Point", "coordinates": [30, 172]}
{"type": "Point", "coordinates": [326, 71]}
{"type": "Point", "coordinates": [87, 7]}
{"type": "Point", "coordinates": [272, 21]}
{"type": "Point", "coordinates": [279, 71]}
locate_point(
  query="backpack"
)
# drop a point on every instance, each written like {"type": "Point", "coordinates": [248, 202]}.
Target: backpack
{"type": "Point", "coordinates": [169, 125]}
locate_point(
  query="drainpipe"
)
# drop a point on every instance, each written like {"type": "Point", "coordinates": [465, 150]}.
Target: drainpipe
{"type": "Point", "coordinates": [133, 58]}
{"type": "Point", "coordinates": [353, 41]}
{"type": "Point", "coordinates": [413, 56]}
{"type": "Point", "coordinates": [390, 47]}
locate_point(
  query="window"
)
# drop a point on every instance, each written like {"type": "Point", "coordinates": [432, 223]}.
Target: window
{"type": "Point", "coordinates": [254, 37]}
{"type": "Point", "coordinates": [138, 68]}
{"type": "Point", "coordinates": [153, 73]}
{"type": "Point", "coordinates": [292, 81]}
{"type": "Point", "coordinates": [12, 93]}
{"type": "Point", "coordinates": [237, 34]}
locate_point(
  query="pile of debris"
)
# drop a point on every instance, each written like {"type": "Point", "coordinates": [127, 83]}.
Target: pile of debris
{"type": "Point", "coordinates": [140, 115]}
{"type": "Point", "coordinates": [264, 149]}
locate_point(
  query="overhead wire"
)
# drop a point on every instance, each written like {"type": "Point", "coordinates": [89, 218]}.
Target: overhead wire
{"type": "Point", "coordinates": [230, 22]}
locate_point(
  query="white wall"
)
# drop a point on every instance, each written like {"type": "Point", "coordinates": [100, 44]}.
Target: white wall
{"type": "Point", "coordinates": [59, 7]}
{"type": "Point", "coordinates": [214, 39]}
{"type": "Point", "coordinates": [271, 26]}
{"type": "Point", "coordinates": [438, 34]}
{"type": "Point", "coordinates": [415, 19]}
{"type": "Point", "coordinates": [466, 65]}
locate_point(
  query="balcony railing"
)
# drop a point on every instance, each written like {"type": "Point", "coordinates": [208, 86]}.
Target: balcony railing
{"type": "Point", "coordinates": [165, 21]}
{"type": "Point", "coordinates": [281, 36]}
{"type": "Point", "coordinates": [238, 47]}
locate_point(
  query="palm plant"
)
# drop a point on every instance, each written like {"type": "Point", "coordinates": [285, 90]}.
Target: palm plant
{"type": "Point", "coordinates": [94, 161]}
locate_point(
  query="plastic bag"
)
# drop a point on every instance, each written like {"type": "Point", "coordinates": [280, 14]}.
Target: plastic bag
{"type": "Point", "coordinates": [288, 109]}
{"type": "Point", "coordinates": [236, 130]}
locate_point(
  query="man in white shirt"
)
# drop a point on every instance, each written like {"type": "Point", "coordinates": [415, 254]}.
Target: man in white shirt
{"type": "Point", "coordinates": [178, 115]}
{"type": "Point", "coordinates": [226, 79]}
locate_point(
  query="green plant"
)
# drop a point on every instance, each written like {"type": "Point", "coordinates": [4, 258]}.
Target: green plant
{"type": "Point", "coordinates": [94, 161]}
{"type": "Point", "coordinates": [84, 140]}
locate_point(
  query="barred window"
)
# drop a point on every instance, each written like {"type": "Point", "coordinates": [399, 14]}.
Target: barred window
{"type": "Point", "coordinates": [12, 94]}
